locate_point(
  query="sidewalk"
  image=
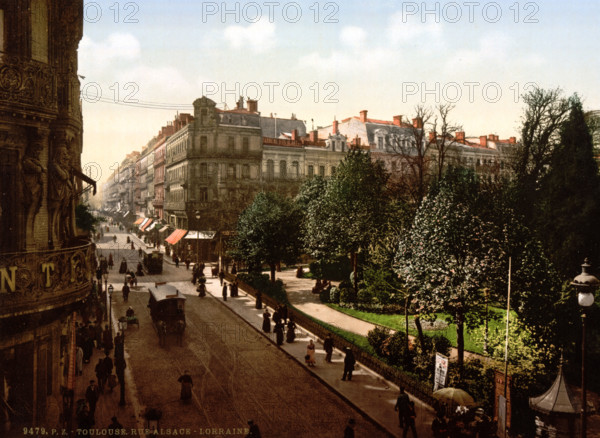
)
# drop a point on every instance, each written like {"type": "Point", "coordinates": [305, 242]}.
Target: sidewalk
{"type": "Point", "coordinates": [368, 392]}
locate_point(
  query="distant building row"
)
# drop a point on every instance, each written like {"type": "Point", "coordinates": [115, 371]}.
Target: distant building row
{"type": "Point", "coordinates": [210, 165]}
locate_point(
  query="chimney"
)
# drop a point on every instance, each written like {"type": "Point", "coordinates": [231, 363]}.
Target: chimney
{"type": "Point", "coordinates": [491, 137]}
{"type": "Point", "coordinates": [334, 127]}
{"type": "Point", "coordinates": [294, 134]}
{"type": "Point", "coordinates": [252, 105]}
{"type": "Point", "coordinates": [418, 123]}
{"type": "Point", "coordinates": [363, 116]}
{"type": "Point", "coordinates": [460, 136]}
{"type": "Point", "coordinates": [240, 103]}
{"type": "Point", "coordinates": [431, 136]}
{"type": "Point", "coordinates": [483, 140]}
{"type": "Point", "coordinates": [313, 136]}
{"type": "Point", "coordinates": [496, 138]}
{"type": "Point", "coordinates": [512, 140]}
{"type": "Point", "coordinates": [398, 120]}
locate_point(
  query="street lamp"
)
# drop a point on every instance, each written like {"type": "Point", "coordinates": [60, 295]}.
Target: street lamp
{"type": "Point", "coordinates": [197, 214]}
{"type": "Point", "coordinates": [110, 292]}
{"type": "Point", "coordinates": [585, 284]}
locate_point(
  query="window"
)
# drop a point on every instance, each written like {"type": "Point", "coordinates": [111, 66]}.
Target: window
{"type": "Point", "coordinates": [245, 145]}
{"type": "Point", "coordinates": [246, 171]}
{"type": "Point", "coordinates": [332, 170]}
{"type": "Point", "coordinates": [282, 169]}
{"type": "Point", "coordinates": [39, 30]}
{"type": "Point", "coordinates": [203, 194]}
{"type": "Point", "coordinates": [322, 170]}
{"type": "Point", "coordinates": [380, 142]}
{"type": "Point", "coordinates": [270, 170]}
{"type": "Point", "coordinates": [203, 170]}
{"type": "Point", "coordinates": [311, 170]}
{"type": "Point", "coordinates": [333, 145]}
{"type": "Point", "coordinates": [230, 144]}
{"type": "Point", "coordinates": [231, 171]}
{"type": "Point", "coordinates": [203, 144]}
{"type": "Point", "coordinates": [295, 169]}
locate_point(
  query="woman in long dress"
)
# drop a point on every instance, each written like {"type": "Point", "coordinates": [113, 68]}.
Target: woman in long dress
{"type": "Point", "coordinates": [291, 331]}
{"type": "Point", "coordinates": [310, 354]}
{"type": "Point", "coordinates": [266, 321]}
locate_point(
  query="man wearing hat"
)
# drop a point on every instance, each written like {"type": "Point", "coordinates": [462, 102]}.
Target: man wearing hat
{"type": "Point", "coordinates": [91, 395]}
{"type": "Point", "coordinates": [253, 430]}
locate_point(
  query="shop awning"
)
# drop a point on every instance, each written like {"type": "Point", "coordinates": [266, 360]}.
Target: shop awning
{"type": "Point", "coordinates": [163, 229]}
{"type": "Point", "coordinates": [151, 227]}
{"type": "Point", "coordinates": [145, 226]}
{"type": "Point", "coordinates": [175, 236]}
{"type": "Point", "coordinates": [125, 215]}
{"type": "Point", "coordinates": [139, 221]}
{"type": "Point", "coordinates": [144, 222]}
{"type": "Point", "coordinates": [202, 235]}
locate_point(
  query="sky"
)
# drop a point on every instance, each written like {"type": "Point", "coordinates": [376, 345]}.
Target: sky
{"type": "Point", "coordinates": [141, 62]}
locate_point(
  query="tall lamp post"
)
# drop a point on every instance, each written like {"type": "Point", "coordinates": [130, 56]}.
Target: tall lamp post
{"type": "Point", "coordinates": [197, 214]}
{"type": "Point", "coordinates": [110, 292]}
{"type": "Point", "coordinates": [585, 283]}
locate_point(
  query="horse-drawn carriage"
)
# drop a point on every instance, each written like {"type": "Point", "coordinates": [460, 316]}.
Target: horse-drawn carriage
{"type": "Point", "coordinates": [167, 309]}
{"type": "Point", "coordinates": [153, 261]}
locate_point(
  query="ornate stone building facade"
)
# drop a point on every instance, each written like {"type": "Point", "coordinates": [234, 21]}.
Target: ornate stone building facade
{"type": "Point", "coordinates": [45, 266]}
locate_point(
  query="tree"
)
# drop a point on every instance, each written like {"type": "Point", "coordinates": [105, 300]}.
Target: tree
{"type": "Point", "coordinates": [349, 214]}
{"type": "Point", "coordinates": [85, 220]}
{"type": "Point", "coordinates": [450, 253]}
{"type": "Point", "coordinates": [268, 231]}
{"type": "Point", "coordinates": [569, 197]}
{"type": "Point", "coordinates": [544, 114]}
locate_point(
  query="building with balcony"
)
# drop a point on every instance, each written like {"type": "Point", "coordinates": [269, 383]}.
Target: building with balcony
{"type": "Point", "coordinates": [46, 264]}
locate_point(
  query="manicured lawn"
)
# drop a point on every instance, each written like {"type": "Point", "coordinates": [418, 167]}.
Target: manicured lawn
{"type": "Point", "coordinates": [397, 322]}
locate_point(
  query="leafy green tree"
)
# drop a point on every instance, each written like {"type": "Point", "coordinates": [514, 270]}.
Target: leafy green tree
{"type": "Point", "coordinates": [349, 214]}
{"type": "Point", "coordinates": [268, 231]}
{"type": "Point", "coordinates": [569, 198]}
{"type": "Point", "coordinates": [450, 253]}
{"type": "Point", "coordinates": [85, 220]}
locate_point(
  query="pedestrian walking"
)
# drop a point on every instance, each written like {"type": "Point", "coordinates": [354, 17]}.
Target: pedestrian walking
{"type": "Point", "coordinates": [123, 267]}
{"type": "Point", "coordinates": [108, 365]}
{"type": "Point", "coordinates": [258, 304]}
{"type": "Point", "coordinates": [290, 335]}
{"type": "Point", "coordinates": [119, 346]}
{"type": "Point", "coordinates": [125, 291]}
{"type": "Point", "coordinates": [409, 420]}
{"type": "Point", "coordinates": [266, 326]}
{"type": "Point", "coordinates": [140, 252]}
{"type": "Point", "coordinates": [439, 426]}
{"type": "Point", "coordinates": [111, 261]}
{"type": "Point", "coordinates": [79, 361]}
{"type": "Point", "coordinates": [349, 362]}
{"type": "Point", "coordinates": [328, 347]}
{"type": "Point", "coordinates": [187, 263]}
{"type": "Point", "coordinates": [310, 354]}
{"type": "Point", "coordinates": [401, 406]}
{"type": "Point", "coordinates": [278, 330]}
{"type": "Point", "coordinates": [98, 336]}
{"type": "Point", "coordinates": [232, 290]}
{"type": "Point", "coordinates": [100, 374]}
{"type": "Point", "coordinates": [224, 291]}
{"type": "Point", "coordinates": [349, 430]}
{"type": "Point", "coordinates": [107, 339]}
{"type": "Point", "coordinates": [234, 269]}
{"type": "Point", "coordinates": [276, 316]}
{"type": "Point", "coordinates": [176, 260]}
{"type": "Point", "coordinates": [91, 395]}
{"type": "Point", "coordinates": [114, 425]}
{"type": "Point", "coordinates": [284, 313]}
{"type": "Point", "coordinates": [253, 430]}
{"type": "Point", "coordinates": [221, 276]}
{"type": "Point", "coordinates": [186, 386]}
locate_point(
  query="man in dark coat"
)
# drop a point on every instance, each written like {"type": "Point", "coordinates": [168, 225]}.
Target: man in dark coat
{"type": "Point", "coordinates": [107, 339]}
{"type": "Point", "coordinates": [225, 291]}
{"type": "Point", "coordinates": [186, 386]}
{"type": "Point", "coordinates": [401, 406]}
{"type": "Point", "coordinates": [101, 374]}
{"type": "Point", "coordinates": [125, 291]}
{"type": "Point", "coordinates": [278, 330]}
{"type": "Point", "coordinates": [266, 326]}
{"type": "Point", "coordinates": [91, 395]}
{"type": "Point", "coordinates": [328, 347]}
{"type": "Point", "coordinates": [349, 362]}
{"type": "Point", "coordinates": [258, 304]}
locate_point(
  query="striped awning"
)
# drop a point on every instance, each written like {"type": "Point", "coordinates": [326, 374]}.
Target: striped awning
{"type": "Point", "coordinates": [145, 226]}
{"type": "Point", "coordinates": [151, 227]}
{"type": "Point", "coordinates": [202, 235]}
{"type": "Point", "coordinates": [175, 236]}
{"type": "Point", "coordinates": [145, 222]}
{"type": "Point", "coordinates": [139, 221]}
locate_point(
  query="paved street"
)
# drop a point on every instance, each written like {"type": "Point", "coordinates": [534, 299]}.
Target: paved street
{"type": "Point", "coordinates": [238, 374]}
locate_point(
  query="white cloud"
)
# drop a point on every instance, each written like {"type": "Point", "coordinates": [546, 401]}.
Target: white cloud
{"type": "Point", "coordinates": [353, 36]}
{"type": "Point", "coordinates": [258, 37]}
{"type": "Point", "coordinates": [98, 55]}
{"type": "Point", "coordinates": [403, 31]}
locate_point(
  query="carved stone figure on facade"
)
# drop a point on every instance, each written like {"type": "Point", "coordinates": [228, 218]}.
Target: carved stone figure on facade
{"type": "Point", "coordinates": [60, 196]}
{"type": "Point", "coordinates": [33, 184]}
